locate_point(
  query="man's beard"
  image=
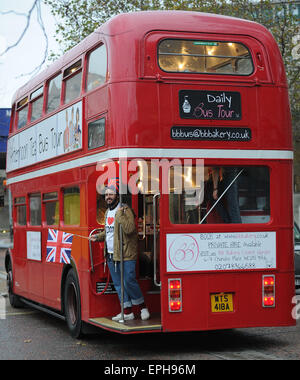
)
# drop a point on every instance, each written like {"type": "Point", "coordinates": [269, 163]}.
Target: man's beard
{"type": "Point", "coordinates": [114, 203]}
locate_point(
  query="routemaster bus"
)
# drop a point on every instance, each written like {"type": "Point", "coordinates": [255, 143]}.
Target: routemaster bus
{"type": "Point", "coordinates": [192, 111]}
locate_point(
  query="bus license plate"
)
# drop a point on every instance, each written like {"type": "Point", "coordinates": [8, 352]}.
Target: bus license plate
{"type": "Point", "coordinates": [221, 302]}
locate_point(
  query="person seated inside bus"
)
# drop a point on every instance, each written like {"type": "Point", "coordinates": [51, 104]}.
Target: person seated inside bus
{"type": "Point", "coordinates": [120, 214]}
{"type": "Point", "coordinates": [222, 183]}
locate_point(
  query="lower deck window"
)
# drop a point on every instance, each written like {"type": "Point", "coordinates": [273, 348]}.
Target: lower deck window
{"type": "Point", "coordinates": [20, 205]}
{"type": "Point", "coordinates": [51, 205]}
{"type": "Point", "coordinates": [35, 209]}
{"type": "Point", "coordinates": [222, 195]}
{"type": "Point", "coordinates": [71, 197]}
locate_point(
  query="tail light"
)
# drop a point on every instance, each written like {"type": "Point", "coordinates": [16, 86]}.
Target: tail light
{"type": "Point", "coordinates": [175, 295]}
{"type": "Point", "coordinates": [268, 291]}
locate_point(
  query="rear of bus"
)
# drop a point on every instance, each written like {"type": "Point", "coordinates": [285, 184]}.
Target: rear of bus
{"type": "Point", "coordinates": [212, 94]}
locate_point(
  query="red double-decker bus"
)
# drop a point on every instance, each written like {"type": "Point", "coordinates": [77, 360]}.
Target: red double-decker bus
{"type": "Point", "coordinates": [192, 110]}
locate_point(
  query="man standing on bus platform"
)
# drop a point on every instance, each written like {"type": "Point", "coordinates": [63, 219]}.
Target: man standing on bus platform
{"type": "Point", "coordinates": [115, 216]}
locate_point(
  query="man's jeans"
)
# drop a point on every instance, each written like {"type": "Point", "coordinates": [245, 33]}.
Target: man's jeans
{"type": "Point", "coordinates": [132, 291]}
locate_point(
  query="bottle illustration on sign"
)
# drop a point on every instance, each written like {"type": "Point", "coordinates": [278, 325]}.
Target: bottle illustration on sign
{"type": "Point", "coordinates": [186, 105]}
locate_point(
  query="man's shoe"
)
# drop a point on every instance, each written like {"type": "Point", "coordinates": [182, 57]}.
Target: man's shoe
{"type": "Point", "coordinates": [145, 314]}
{"type": "Point", "coordinates": [127, 317]}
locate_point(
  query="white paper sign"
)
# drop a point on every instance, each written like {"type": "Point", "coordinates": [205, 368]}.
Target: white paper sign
{"type": "Point", "coordinates": [52, 137]}
{"type": "Point", "coordinates": [221, 251]}
{"type": "Point", "coordinates": [34, 245]}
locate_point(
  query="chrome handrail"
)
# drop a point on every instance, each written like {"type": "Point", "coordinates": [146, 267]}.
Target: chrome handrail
{"type": "Point", "coordinates": [157, 195]}
{"type": "Point", "coordinates": [91, 251]}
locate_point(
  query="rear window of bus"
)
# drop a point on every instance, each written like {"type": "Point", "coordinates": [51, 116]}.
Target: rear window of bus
{"type": "Point", "coordinates": [212, 194]}
{"type": "Point", "coordinates": [195, 56]}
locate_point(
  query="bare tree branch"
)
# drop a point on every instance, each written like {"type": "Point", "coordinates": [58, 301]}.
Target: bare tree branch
{"type": "Point", "coordinates": [13, 12]}
{"type": "Point", "coordinates": [28, 16]}
{"type": "Point", "coordinates": [35, 6]}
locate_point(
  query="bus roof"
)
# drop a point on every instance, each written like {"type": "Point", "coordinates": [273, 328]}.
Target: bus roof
{"type": "Point", "coordinates": [137, 24]}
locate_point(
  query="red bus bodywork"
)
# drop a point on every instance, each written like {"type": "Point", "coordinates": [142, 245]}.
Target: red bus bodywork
{"type": "Point", "coordinates": [139, 102]}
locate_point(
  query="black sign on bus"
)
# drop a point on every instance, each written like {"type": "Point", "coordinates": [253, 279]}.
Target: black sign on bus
{"type": "Point", "coordinates": [211, 133]}
{"type": "Point", "coordinates": [210, 105]}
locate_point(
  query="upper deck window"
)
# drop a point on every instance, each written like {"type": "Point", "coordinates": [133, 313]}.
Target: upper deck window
{"type": "Point", "coordinates": [72, 77]}
{"type": "Point", "coordinates": [96, 133]}
{"type": "Point", "coordinates": [191, 56]}
{"type": "Point", "coordinates": [54, 89]}
{"type": "Point", "coordinates": [97, 66]}
{"type": "Point", "coordinates": [36, 99]}
{"type": "Point", "coordinates": [22, 111]}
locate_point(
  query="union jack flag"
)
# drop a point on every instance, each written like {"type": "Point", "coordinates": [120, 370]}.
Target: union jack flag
{"type": "Point", "coordinates": [59, 246]}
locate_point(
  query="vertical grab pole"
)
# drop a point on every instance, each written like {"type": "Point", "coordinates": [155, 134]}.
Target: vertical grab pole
{"type": "Point", "coordinates": [157, 195]}
{"type": "Point", "coordinates": [121, 248]}
{"type": "Point", "coordinates": [122, 274]}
